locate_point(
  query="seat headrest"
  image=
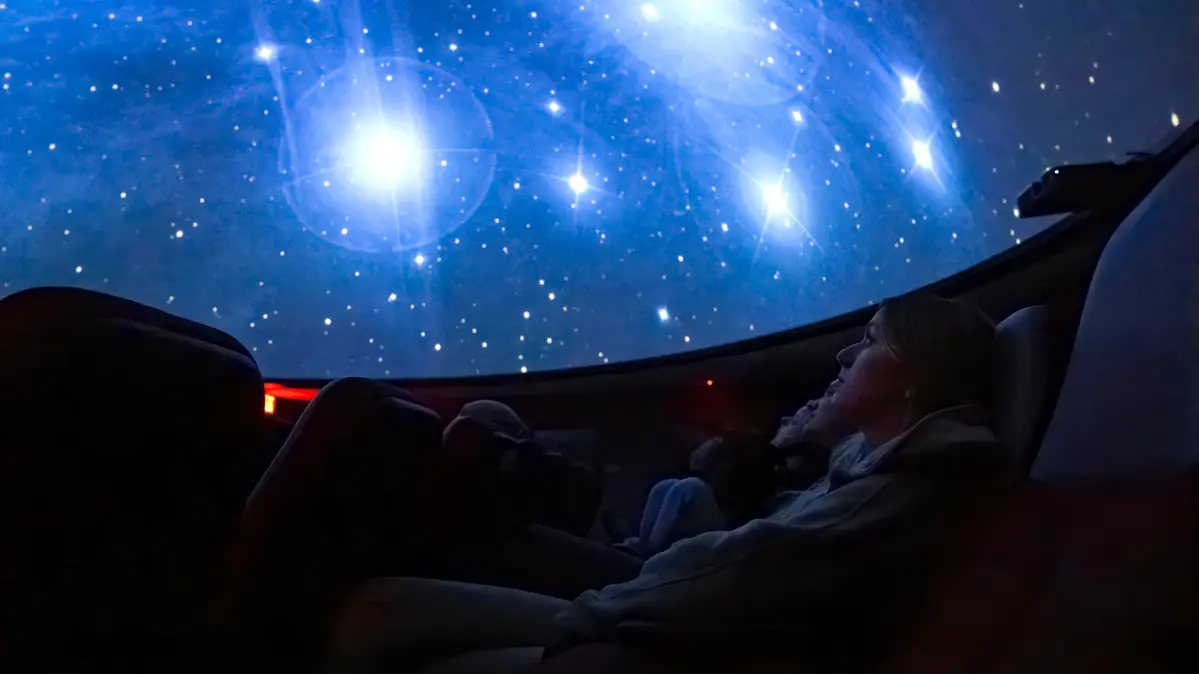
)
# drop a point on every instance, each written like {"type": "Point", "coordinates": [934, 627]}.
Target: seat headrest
{"type": "Point", "coordinates": [1129, 405]}
{"type": "Point", "coordinates": [1023, 353]}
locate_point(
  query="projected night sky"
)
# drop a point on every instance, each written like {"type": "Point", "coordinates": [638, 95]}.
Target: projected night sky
{"type": "Point", "coordinates": [418, 189]}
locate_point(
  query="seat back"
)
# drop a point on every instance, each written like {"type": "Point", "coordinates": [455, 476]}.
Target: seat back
{"type": "Point", "coordinates": [1032, 348]}
{"type": "Point", "coordinates": [124, 424]}
{"type": "Point", "coordinates": [1093, 565]}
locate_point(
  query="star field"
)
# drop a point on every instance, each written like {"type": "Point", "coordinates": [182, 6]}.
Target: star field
{"type": "Point", "coordinates": [407, 189]}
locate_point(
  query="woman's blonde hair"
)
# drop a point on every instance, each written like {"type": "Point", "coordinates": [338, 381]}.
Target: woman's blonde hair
{"type": "Point", "coordinates": [947, 346]}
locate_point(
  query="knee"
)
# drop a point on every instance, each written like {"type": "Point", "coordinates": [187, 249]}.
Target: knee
{"type": "Point", "coordinates": [662, 492]}
{"type": "Point", "coordinates": [661, 489]}
{"type": "Point", "coordinates": [686, 492]}
{"type": "Point", "coordinates": [346, 407]}
{"type": "Point", "coordinates": [688, 489]}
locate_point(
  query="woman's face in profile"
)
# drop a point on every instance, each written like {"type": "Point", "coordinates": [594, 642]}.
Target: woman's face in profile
{"type": "Point", "coordinates": [872, 380]}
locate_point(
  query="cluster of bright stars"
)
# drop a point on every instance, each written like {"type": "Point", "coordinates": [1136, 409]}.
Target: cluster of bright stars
{"type": "Point", "coordinates": [386, 156]}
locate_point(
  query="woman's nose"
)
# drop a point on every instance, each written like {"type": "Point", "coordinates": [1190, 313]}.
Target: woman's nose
{"type": "Point", "coordinates": [845, 356]}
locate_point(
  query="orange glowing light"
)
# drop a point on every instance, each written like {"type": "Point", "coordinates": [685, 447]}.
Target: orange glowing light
{"type": "Point", "coordinates": [290, 393]}
{"type": "Point", "coordinates": [709, 382]}
{"type": "Point", "coordinates": [269, 404]}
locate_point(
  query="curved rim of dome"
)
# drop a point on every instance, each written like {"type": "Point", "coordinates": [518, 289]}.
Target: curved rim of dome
{"type": "Point", "coordinates": [1043, 244]}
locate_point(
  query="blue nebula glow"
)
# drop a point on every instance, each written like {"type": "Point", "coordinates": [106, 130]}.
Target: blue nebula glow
{"type": "Point", "coordinates": [430, 189]}
{"type": "Point", "coordinates": [386, 154]}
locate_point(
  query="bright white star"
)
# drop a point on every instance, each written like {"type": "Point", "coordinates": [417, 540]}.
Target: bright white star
{"type": "Point", "coordinates": [663, 314]}
{"type": "Point", "coordinates": [649, 11]}
{"type": "Point", "coordinates": [923, 154]}
{"type": "Point", "coordinates": [266, 52]}
{"type": "Point", "coordinates": [911, 90]}
{"type": "Point", "coordinates": [554, 107]}
{"type": "Point", "coordinates": [578, 183]}
{"type": "Point", "coordinates": [775, 198]}
{"type": "Point", "coordinates": [386, 158]}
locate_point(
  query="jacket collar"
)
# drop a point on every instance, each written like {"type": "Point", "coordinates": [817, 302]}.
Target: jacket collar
{"type": "Point", "coordinates": [956, 435]}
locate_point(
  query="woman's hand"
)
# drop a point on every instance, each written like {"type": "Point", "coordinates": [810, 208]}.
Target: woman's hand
{"type": "Point", "coordinates": [817, 422]}
{"type": "Point", "coordinates": [792, 429]}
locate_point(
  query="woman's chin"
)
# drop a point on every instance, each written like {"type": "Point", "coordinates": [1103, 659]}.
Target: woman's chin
{"type": "Point", "coordinates": [840, 406]}
{"type": "Point", "coordinates": [837, 400]}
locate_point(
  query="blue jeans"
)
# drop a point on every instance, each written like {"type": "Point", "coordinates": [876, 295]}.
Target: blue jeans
{"type": "Point", "coordinates": [675, 510]}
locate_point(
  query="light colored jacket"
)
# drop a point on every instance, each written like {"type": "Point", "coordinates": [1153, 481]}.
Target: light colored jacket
{"type": "Point", "coordinates": [826, 553]}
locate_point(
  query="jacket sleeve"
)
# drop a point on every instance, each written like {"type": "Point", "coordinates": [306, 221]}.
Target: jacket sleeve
{"type": "Point", "coordinates": [745, 575]}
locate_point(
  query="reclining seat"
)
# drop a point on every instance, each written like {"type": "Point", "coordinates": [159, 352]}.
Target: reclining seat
{"type": "Point", "coordinates": [120, 478]}
{"type": "Point", "coordinates": [1032, 348]}
{"type": "Point", "coordinates": [342, 501]}
{"type": "Point", "coordinates": [1094, 565]}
